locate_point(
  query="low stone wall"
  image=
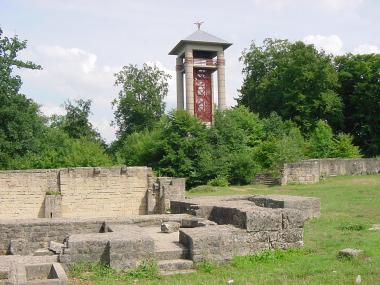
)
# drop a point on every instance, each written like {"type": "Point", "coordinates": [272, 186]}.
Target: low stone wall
{"type": "Point", "coordinates": [310, 171]}
{"type": "Point", "coordinates": [85, 192]}
{"type": "Point", "coordinates": [25, 236]}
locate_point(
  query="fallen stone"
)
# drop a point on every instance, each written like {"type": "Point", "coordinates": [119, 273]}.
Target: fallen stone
{"type": "Point", "coordinates": [56, 247]}
{"type": "Point", "coordinates": [350, 252]}
{"type": "Point", "coordinates": [189, 223]}
{"type": "Point", "coordinates": [170, 227]}
{"type": "Point", "coordinates": [375, 227]}
{"type": "Point", "coordinates": [42, 252]}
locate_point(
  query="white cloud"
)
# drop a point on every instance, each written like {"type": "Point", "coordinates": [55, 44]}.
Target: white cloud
{"type": "Point", "coordinates": [329, 4]}
{"type": "Point", "coordinates": [366, 49]}
{"type": "Point", "coordinates": [331, 44]}
{"type": "Point", "coordinates": [171, 99]}
{"type": "Point", "coordinates": [341, 4]}
{"type": "Point", "coordinates": [52, 109]}
{"type": "Point", "coordinates": [71, 73]}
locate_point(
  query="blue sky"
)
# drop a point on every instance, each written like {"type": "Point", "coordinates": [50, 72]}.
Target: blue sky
{"type": "Point", "coordinates": [82, 43]}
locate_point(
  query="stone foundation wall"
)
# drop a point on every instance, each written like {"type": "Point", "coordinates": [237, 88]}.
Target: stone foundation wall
{"type": "Point", "coordinates": [27, 235]}
{"type": "Point", "coordinates": [310, 171]}
{"type": "Point", "coordinates": [22, 193]}
{"type": "Point", "coordinates": [85, 192]}
{"type": "Point", "coordinates": [104, 192]}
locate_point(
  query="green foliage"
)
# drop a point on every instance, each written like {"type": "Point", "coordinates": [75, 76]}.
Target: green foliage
{"type": "Point", "coordinates": [351, 227]}
{"type": "Point", "coordinates": [140, 149]}
{"type": "Point", "coordinates": [21, 123]}
{"type": "Point", "coordinates": [321, 141]}
{"type": "Point", "coordinates": [76, 120]}
{"type": "Point", "coordinates": [343, 147]}
{"type": "Point", "coordinates": [148, 269]}
{"type": "Point", "coordinates": [182, 142]}
{"type": "Point", "coordinates": [53, 193]}
{"type": "Point", "coordinates": [283, 143]}
{"type": "Point", "coordinates": [232, 151]}
{"type": "Point", "coordinates": [206, 266]}
{"type": "Point", "coordinates": [219, 181]}
{"type": "Point", "coordinates": [99, 272]}
{"type": "Point", "coordinates": [140, 102]}
{"type": "Point", "coordinates": [359, 77]}
{"type": "Point", "coordinates": [57, 149]}
{"type": "Point", "coordinates": [293, 79]}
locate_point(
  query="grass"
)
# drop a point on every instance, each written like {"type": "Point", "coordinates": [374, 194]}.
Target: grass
{"type": "Point", "coordinates": [349, 206]}
{"type": "Point", "coordinates": [94, 273]}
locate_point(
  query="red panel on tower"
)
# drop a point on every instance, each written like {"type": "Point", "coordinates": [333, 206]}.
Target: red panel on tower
{"type": "Point", "coordinates": [203, 95]}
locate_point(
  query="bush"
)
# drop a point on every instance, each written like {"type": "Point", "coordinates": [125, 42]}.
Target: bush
{"type": "Point", "coordinates": [243, 168]}
{"type": "Point", "coordinates": [57, 150]}
{"type": "Point", "coordinates": [321, 142]}
{"type": "Point", "coordinates": [344, 148]}
{"type": "Point", "coordinates": [219, 181]}
{"type": "Point", "coordinates": [232, 151]}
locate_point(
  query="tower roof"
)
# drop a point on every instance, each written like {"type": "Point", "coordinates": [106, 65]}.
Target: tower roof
{"type": "Point", "coordinates": [200, 37]}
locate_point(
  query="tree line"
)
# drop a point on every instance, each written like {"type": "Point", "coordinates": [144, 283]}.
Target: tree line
{"type": "Point", "coordinates": [296, 102]}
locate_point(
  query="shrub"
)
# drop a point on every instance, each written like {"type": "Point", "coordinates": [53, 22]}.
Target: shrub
{"type": "Point", "coordinates": [321, 142]}
{"type": "Point", "coordinates": [219, 181]}
{"type": "Point", "coordinates": [344, 148]}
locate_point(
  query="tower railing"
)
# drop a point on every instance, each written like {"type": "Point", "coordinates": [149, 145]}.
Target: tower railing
{"type": "Point", "coordinates": [206, 61]}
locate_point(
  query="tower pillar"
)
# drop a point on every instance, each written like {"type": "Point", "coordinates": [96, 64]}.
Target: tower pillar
{"type": "Point", "coordinates": [221, 81]}
{"type": "Point", "coordinates": [180, 88]}
{"type": "Point", "coordinates": [189, 69]}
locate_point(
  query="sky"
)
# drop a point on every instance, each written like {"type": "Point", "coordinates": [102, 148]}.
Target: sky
{"type": "Point", "coordinates": [81, 43]}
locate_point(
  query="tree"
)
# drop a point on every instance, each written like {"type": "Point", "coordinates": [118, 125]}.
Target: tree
{"type": "Point", "coordinates": [76, 120]}
{"type": "Point", "coordinates": [140, 102]}
{"type": "Point", "coordinates": [321, 143]}
{"type": "Point", "coordinates": [293, 79]}
{"type": "Point", "coordinates": [57, 149]}
{"type": "Point", "coordinates": [359, 77]}
{"type": "Point", "coordinates": [21, 123]}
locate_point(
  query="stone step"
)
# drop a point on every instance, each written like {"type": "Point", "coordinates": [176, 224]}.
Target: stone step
{"type": "Point", "coordinates": [175, 265]}
{"type": "Point", "coordinates": [170, 250]}
{"type": "Point", "coordinates": [181, 253]}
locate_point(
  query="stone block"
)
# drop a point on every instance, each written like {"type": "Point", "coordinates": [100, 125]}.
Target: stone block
{"type": "Point", "coordinates": [18, 247]}
{"type": "Point", "coordinates": [350, 252]}
{"type": "Point", "coordinates": [42, 252]}
{"type": "Point", "coordinates": [375, 227]}
{"type": "Point", "coordinates": [189, 223]}
{"type": "Point", "coordinates": [170, 227]}
{"type": "Point", "coordinates": [128, 252]}
{"type": "Point", "coordinates": [56, 247]}
{"type": "Point", "coordinates": [264, 220]}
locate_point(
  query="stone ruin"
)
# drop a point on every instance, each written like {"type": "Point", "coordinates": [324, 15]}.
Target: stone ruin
{"type": "Point", "coordinates": [38, 251]}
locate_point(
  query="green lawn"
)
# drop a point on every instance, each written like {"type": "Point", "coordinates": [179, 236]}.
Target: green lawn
{"type": "Point", "coordinates": [349, 206]}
